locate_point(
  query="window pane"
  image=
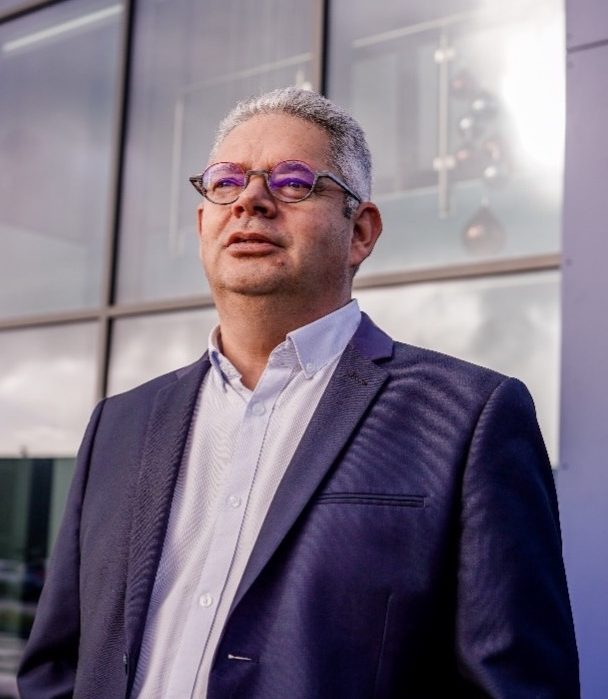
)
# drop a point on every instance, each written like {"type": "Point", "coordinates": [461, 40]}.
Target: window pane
{"type": "Point", "coordinates": [47, 379]}
{"type": "Point", "coordinates": [59, 68]}
{"type": "Point", "coordinates": [47, 389]}
{"type": "Point", "coordinates": [192, 62]}
{"type": "Point", "coordinates": [509, 323]}
{"type": "Point", "coordinates": [32, 499]}
{"type": "Point", "coordinates": [145, 347]}
{"type": "Point", "coordinates": [474, 88]}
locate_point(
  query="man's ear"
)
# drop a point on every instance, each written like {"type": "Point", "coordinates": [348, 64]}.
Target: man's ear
{"type": "Point", "coordinates": [199, 220]}
{"type": "Point", "coordinates": [367, 226]}
{"type": "Point", "coordinates": [199, 229]}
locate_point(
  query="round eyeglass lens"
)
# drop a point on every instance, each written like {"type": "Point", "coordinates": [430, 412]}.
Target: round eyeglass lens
{"type": "Point", "coordinates": [291, 180]}
{"type": "Point", "coordinates": [223, 182]}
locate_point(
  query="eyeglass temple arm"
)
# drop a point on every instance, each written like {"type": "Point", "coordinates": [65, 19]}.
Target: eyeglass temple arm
{"type": "Point", "coordinates": [342, 184]}
{"type": "Point", "coordinates": [197, 183]}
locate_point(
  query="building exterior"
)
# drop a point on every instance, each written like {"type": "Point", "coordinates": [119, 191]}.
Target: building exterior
{"type": "Point", "coordinates": [109, 105]}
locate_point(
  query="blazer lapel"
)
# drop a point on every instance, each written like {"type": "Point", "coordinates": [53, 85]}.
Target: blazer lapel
{"type": "Point", "coordinates": [351, 390]}
{"type": "Point", "coordinates": [166, 436]}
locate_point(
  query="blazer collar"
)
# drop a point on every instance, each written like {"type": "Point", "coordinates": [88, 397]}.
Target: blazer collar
{"type": "Point", "coordinates": [351, 390]}
{"type": "Point", "coordinates": [166, 437]}
{"type": "Point", "coordinates": [371, 342]}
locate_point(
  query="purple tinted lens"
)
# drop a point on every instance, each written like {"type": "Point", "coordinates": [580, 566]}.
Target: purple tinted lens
{"type": "Point", "coordinates": [223, 181]}
{"type": "Point", "coordinates": [291, 180]}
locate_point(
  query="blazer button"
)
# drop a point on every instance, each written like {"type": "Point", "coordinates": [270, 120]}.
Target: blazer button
{"type": "Point", "coordinates": [125, 662]}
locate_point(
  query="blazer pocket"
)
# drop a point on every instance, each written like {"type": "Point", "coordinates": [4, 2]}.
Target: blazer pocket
{"type": "Point", "coordinates": [386, 499]}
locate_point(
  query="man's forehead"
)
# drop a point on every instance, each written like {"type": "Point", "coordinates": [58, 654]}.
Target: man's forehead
{"type": "Point", "coordinates": [269, 138]}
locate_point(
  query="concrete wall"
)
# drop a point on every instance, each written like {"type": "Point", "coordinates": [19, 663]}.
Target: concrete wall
{"type": "Point", "coordinates": [583, 479]}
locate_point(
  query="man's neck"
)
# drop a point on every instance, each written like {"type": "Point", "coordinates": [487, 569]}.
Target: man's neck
{"type": "Point", "coordinates": [253, 326]}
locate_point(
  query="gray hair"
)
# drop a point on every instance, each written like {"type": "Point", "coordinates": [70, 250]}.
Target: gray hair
{"type": "Point", "coordinates": [348, 149]}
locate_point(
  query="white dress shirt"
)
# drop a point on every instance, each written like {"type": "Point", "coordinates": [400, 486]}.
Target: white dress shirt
{"type": "Point", "coordinates": [239, 446]}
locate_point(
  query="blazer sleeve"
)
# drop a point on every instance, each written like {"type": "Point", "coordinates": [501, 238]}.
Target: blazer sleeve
{"type": "Point", "coordinates": [48, 665]}
{"type": "Point", "coordinates": [514, 630]}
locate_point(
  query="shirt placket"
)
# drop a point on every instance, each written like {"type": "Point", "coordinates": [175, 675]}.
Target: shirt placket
{"type": "Point", "coordinates": [231, 514]}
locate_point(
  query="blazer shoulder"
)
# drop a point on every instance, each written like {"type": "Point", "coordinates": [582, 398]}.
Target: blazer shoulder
{"type": "Point", "coordinates": [146, 391]}
{"type": "Point", "coordinates": [397, 357]}
{"type": "Point", "coordinates": [128, 412]}
{"type": "Point", "coordinates": [442, 366]}
{"type": "Point", "coordinates": [427, 373]}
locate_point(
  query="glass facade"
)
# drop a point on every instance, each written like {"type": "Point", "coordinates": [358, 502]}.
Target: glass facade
{"type": "Point", "coordinates": [108, 107]}
{"type": "Point", "coordinates": [56, 138]}
{"type": "Point", "coordinates": [458, 101]}
{"type": "Point", "coordinates": [47, 389]}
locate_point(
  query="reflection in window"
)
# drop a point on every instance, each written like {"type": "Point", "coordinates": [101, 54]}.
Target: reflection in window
{"type": "Point", "coordinates": [508, 323]}
{"type": "Point", "coordinates": [32, 497]}
{"type": "Point", "coordinates": [57, 104]}
{"type": "Point", "coordinates": [149, 346]}
{"type": "Point", "coordinates": [192, 62]}
{"type": "Point", "coordinates": [463, 104]}
{"type": "Point", "coordinates": [47, 389]}
{"type": "Point", "coordinates": [47, 386]}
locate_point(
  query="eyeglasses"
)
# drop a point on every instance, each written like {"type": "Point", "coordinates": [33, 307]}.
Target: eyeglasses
{"type": "Point", "coordinates": [290, 181]}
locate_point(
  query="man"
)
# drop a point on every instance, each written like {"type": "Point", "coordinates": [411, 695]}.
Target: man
{"type": "Point", "coordinates": [311, 510]}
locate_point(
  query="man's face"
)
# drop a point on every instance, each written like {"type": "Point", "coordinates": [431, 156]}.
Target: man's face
{"type": "Point", "coordinates": [261, 246]}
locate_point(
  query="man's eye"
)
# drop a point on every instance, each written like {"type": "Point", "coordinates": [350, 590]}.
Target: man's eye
{"type": "Point", "coordinates": [292, 183]}
{"type": "Point", "coordinates": [226, 182]}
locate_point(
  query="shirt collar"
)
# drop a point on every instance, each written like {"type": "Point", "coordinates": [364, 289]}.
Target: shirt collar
{"type": "Point", "coordinates": [226, 369]}
{"type": "Point", "coordinates": [321, 341]}
{"type": "Point", "coordinates": [315, 344]}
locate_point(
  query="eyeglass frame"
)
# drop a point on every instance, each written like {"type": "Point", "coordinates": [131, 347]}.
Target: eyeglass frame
{"type": "Point", "coordinates": [197, 182]}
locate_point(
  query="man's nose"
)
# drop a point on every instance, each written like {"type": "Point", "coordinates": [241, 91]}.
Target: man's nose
{"type": "Point", "coordinates": [255, 198]}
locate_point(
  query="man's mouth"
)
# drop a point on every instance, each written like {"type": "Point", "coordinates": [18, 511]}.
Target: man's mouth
{"type": "Point", "coordinates": [248, 243]}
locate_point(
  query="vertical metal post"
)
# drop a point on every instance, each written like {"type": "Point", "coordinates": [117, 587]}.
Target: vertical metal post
{"type": "Point", "coordinates": [117, 169]}
{"type": "Point", "coordinates": [444, 161]}
{"type": "Point", "coordinates": [319, 48]}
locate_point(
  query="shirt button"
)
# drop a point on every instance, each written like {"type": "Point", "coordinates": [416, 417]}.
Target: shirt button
{"type": "Point", "coordinates": [205, 600]}
{"type": "Point", "coordinates": [258, 409]}
{"type": "Point", "coordinates": [310, 367]}
{"type": "Point", "coordinates": [234, 501]}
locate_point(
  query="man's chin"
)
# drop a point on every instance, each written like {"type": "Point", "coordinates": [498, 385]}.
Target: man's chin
{"type": "Point", "coordinates": [252, 287]}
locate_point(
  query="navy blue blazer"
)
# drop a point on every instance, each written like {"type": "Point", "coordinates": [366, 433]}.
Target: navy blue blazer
{"type": "Point", "coordinates": [412, 549]}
